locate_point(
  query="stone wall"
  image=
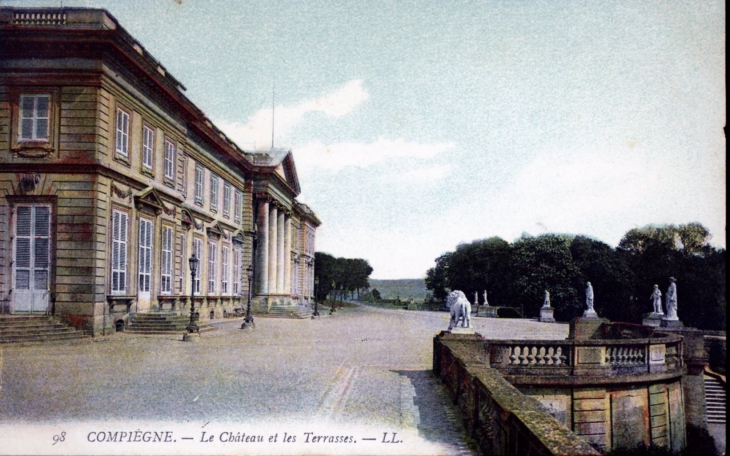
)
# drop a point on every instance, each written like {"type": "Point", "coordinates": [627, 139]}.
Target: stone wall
{"type": "Point", "coordinates": [500, 418]}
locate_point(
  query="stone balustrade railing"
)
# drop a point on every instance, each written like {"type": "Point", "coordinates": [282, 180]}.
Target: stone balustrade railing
{"type": "Point", "coordinates": [658, 354]}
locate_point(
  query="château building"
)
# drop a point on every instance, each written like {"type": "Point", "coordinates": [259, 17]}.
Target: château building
{"type": "Point", "coordinates": [111, 178]}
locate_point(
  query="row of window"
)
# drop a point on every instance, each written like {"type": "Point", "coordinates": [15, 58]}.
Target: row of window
{"type": "Point", "coordinates": [214, 195]}
{"type": "Point", "coordinates": [148, 140]}
{"type": "Point", "coordinates": [148, 145]}
{"type": "Point", "coordinates": [222, 271]}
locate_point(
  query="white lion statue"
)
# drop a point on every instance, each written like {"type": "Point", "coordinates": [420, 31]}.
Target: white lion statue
{"type": "Point", "coordinates": [460, 309]}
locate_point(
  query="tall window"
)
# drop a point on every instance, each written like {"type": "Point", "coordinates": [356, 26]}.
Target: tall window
{"type": "Point", "coordinates": [169, 159]}
{"type": "Point", "coordinates": [34, 117]}
{"type": "Point", "coordinates": [237, 200]}
{"type": "Point", "coordinates": [212, 266]}
{"type": "Point", "coordinates": [224, 270]}
{"type": "Point", "coordinates": [237, 253]}
{"type": "Point", "coordinates": [145, 255]}
{"type": "Point", "coordinates": [119, 252]}
{"type": "Point", "coordinates": [226, 200]}
{"type": "Point", "coordinates": [166, 266]}
{"type": "Point", "coordinates": [199, 184]}
{"type": "Point", "coordinates": [122, 132]}
{"type": "Point", "coordinates": [148, 140]}
{"type": "Point", "coordinates": [198, 250]}
{"type": "Point", "coordinates": [213, 192]}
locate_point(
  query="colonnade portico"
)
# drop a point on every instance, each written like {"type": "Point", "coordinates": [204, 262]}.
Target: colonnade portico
{"type": "Point", "coordinates": [273, 262]}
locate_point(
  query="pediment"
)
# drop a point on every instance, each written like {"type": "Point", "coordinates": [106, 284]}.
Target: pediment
{"type": "Point", "coordinates": [288, 171]}
{"type": "Point", "coordinates": [238, 239]}
{"type": "Point", "coordinates": [149, 199]}
{"type": "Point", "coordinates": [188, 219]}
{"type": "Point", "coordinates": [216, 231]}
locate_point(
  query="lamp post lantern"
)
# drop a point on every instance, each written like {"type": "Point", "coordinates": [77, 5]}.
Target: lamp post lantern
{"type": "Point", "coordinates": [248, 321]}
{"type": "Point", "coordinates": [316, 285]}
{"type": "Point", "coordinates": [192, 328]}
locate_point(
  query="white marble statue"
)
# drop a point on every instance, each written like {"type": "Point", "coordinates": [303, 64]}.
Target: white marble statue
{"type": "Point", "coordinates": [589, 296]}
{"type": "Point", "coordinates": [589, 313]}
{"type": "Point", "coordinates": [656, 298]}
{"type": "Point", "coordinates": [476, 298]}
{"type": "Point", "coordinates": [459, 308]}
{"type": "Point", "coordinates": [671, 301]}
{"type": "Point", "coordinates": [546, 301]}
{"type": "Point", "coordinates": [486, 303]}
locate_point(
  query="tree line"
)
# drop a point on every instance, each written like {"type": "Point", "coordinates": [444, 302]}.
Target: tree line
{"type": "Point", "coordinates": [340, 278]}
{"type": "Point", "coordinates": [517, 274]}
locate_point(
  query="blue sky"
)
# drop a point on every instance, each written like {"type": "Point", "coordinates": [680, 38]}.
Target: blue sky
{"type": "Point", "coordinates": [419, 125]}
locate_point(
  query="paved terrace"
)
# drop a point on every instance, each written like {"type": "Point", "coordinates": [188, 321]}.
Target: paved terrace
{"type": "Point", "coordinates": [364, 374]}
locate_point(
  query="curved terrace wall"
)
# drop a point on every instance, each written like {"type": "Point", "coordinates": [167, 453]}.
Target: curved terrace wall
{"type": "Point", "coordinates": [613, 385]}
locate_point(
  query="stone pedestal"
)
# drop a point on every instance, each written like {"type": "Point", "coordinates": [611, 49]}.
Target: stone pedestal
{"type": "Point", "coordinates": [490, 312]}
{"type": "Point", "coordinates": [590, 314]}
{"type": "Point", "coordinates": [191, 337]}
{"type": "Point", "coordinates": [546, 314]}
{"type": "Point", "coordinates": [460, 330]}
{"type": "Point", "coordinates": [582, 328]}
{"type": "Point", "coordinates": [652, 319]}
{"type": "Point", "coordinates": [671, 323]}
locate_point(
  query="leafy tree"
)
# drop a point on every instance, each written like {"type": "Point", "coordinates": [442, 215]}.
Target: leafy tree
{"type": "Point", "coordinates": [611, 277]}
{"type": "Point", "coordinates": [340, 277]}
{"type": "Point", "coordinates": [376, 294]}
{"type": "Point", "coordinates": [437, 277]}
{"type": "Point", "coordinates": [545, 263]}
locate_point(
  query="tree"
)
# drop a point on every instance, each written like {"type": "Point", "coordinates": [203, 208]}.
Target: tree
{"type": "Point", "coordinates": [437, 277]}
{"type": "Point", "coordinates": [376, 294]}
{"type": "Point", "coordinates": [545, 263]}
{"type": "Point", "coordinates": [340, 276]}
{"type": "Point", "coordinates": [611, 277]}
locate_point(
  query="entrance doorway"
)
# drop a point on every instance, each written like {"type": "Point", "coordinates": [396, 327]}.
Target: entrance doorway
{"type": "Point", "coordinates": [31, 262]}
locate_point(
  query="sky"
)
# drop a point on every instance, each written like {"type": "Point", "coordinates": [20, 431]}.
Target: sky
{"type": "Point", "coordinates": [417, 126]}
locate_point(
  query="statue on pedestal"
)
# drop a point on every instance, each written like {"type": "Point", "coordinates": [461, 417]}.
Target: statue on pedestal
{"type": "Point", "coordinates": [656, 298]}
{"type": "Point", "coordinates": [672, 301]}
{"type": "Point", "coordinates": [459, 308]}
{"type": "Point", "coordinates": [546, 301]}
{"type": "Point", "coordinates": [589, 313]}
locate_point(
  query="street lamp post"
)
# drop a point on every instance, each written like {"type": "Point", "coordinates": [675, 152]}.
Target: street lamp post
{"type": "Point", "coordinates": [316, 284]}
{"type": "Point", "coordinates": [192, 328]}
{"type": "Point", "coordinates": [248, 321]}
{"type": "Point", "coordinates": [332, 309]}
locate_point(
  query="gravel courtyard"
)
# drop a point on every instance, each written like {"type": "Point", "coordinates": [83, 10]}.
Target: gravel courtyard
{"type": "Point", "coordinates": [363, 375]}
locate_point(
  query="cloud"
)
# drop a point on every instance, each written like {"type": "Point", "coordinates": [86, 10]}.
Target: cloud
{"type": "Point", "coordinates": [335, 157]}
{"type": "Point", "coordinates": [420, 175]}
{"type": "Point", "coordinates": [256, 132]}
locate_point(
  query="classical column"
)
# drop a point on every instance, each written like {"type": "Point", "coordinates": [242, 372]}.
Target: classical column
{"type": "Point", "coordinates": [287, 256]}
{"type": "Point", "coordinates": [280, 250]}
{"type": "Point", "coordinates": [262, 248]}
{"type": "Point", "coordinates": [273, 244]}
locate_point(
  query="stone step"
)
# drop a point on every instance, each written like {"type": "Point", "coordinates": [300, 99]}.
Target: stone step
{"type": "Point", "coordinates": [55, 336]}
{"type": "Point", "coordinates": [36, 328]}
{"type": "Point", "coordinates": [715, 400]}
{"type": "Point", "coordinates": [289, 312]}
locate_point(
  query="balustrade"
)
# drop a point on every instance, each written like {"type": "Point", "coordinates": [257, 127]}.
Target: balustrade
{"type": "Point", "coordinates": [537, 356]}
{"type": "Point", "coordinates": [631, 355]}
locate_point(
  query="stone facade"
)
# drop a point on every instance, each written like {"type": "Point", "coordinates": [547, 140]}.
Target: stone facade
{"type": "Point", "coordinates": [111, 178]}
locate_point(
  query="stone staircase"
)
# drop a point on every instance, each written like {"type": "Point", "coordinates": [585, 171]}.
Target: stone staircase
{"type": "Point", "coordinates": [36, 328]}
{"type": "Point", "coordinates": [290, 312]}
{"type": "Point", "coordinates": [162, 323]}
{"type": "Point", "coordinates": [715, 400]}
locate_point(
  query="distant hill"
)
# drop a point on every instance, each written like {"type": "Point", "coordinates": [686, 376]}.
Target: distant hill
{"type": "Point", "coordinates": [403, 288]}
